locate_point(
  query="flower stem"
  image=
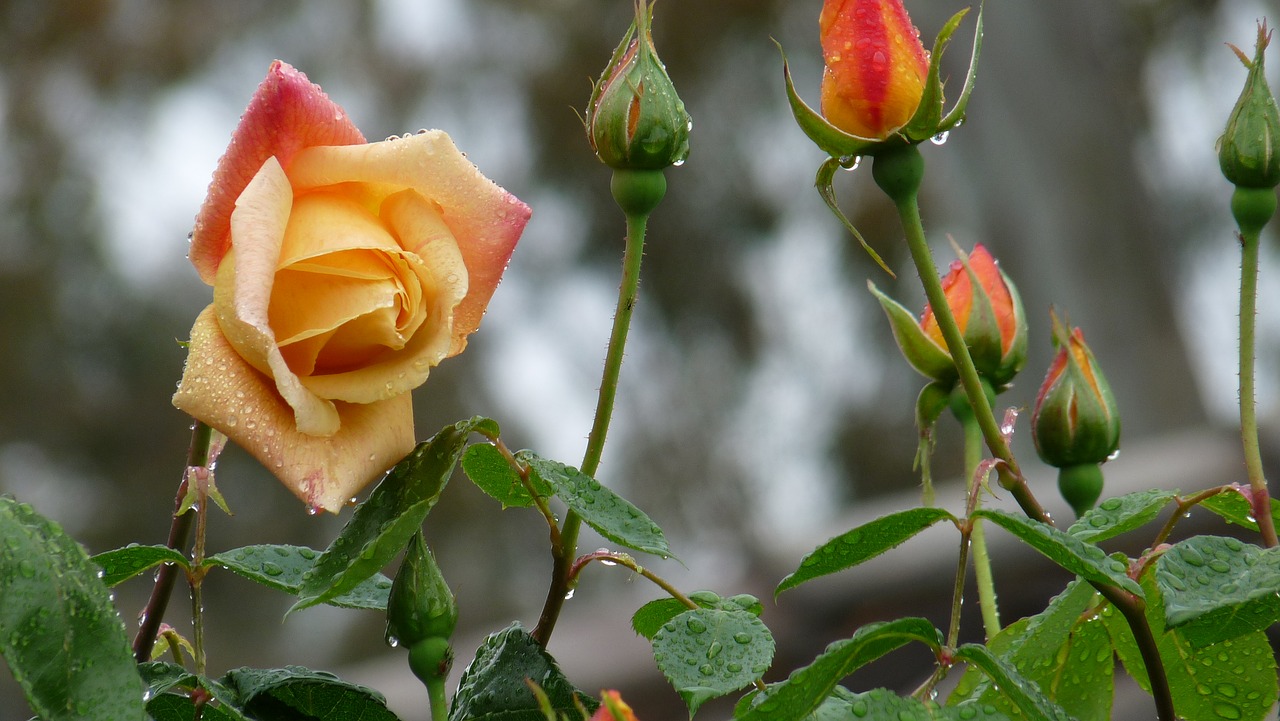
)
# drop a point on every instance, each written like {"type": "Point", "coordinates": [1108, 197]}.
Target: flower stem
{"type": "Point", "coordinates": [978, 539]}
{"type": "Point", "coordinates": [635, 193]}
{"type": "Point", "coordinates": [179, 530]}
{"type": "Point", "coordinates": [439, 699]}
{"type": "Point", "coordinates": [898, 172]}
{"type": "Point", "coordinates": [957, 594]}
{"type": "Point", "coordinates": [1249, 242]}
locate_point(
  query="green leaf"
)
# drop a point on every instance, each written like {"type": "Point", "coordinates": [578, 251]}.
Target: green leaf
{"type": "Point", "coordinates": [1064, 652]}
{"type": "Point", "coordinates": [169, 687]}
{"type": "Point", "coordinates": [282, 567]}
{"type": "Point", "coordinates": [863, 543]}
{"type": "Point", "coordinates": [1121, 514]}
{"type": "Point", "coordinates": [1024, 694]}
{"type": "Point", "coordinates": [882, 703]}
{"type": "Point", "coordinates": [294, 692]}
{"type": "Point", "coordinates": [649, 618]}
{"type": "Point", "coordinates": [1217, 588]}
{"type": "Point", "coordinates": [1234, 679]}
{"type": "Point", "coordinates": [707, 652]}
{"type": "Point", "coordinates": [485, 465]}
{"type": "Point", "coordinates": [382, 526]}
{"type": "Point", "coordinates": [494, 686]}
{"type": "Point", "coordinates": [611, 515]}
{"type": "Point", "coordinates": [1081, 558]}
{"type": "Point", "coordinates": [1235, 508]}
{"type": "Point", "coordinates": [59, 633]}
{"type": "Point", "coordinates": [805, 689]}
{"type": "Point", "coordinates": [124, 563]}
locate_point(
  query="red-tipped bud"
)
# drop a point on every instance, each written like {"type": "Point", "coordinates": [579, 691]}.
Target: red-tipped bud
{"type": "Point", "coordinates": [1075, 420]}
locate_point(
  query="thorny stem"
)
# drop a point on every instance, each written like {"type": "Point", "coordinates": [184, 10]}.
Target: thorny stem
{"type": "Point", "coordinates": [1184, 505]}
{"type": "Point", "coordinates": [957, 593]}
{"type": "Point", "coordinates": [179, 531]}
{"type": "Point", "coordinates": [904, 196]}
{"type": "Point", "coordinates": [195, 578]}
{"type": "Point", "coordinates": [1249, 242]}
{"type": "Point", "coordinates": [563, 556]}
{"type": "Point", "coordinates": [1011, 477]}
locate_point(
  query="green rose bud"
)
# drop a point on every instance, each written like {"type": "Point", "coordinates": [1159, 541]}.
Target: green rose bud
{"type": "Point", "coordinates": [1075, 418]}
{"type": "Point", "coordinates": [635, 120]}
{"type": "Point", "coordinates": [421, 606]}
{"type": "Point", "coordinates": [1247, 150]}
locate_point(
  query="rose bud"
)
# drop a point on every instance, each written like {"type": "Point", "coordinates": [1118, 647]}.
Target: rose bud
{"type": "Point", "coordinates": [875, 66]}
{"type": "Point", "coordinates": [987, 310]}
{"type": "Point", "coordinates": [635, 120]}
{"type": "Point", "coordinates": [342, 272]}
{"type": "Point", "coordinates": [1248, 150]}
{"type": "Point", "coordinates": [613, 708]}
{"type": "Point", "coordinates": [420, 605]}
{"type": "Point", "coordinates": [1075, 423]}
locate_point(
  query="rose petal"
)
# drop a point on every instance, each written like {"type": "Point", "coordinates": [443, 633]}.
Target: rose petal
{"type": "Point", "coordinates": [242, 296]}
{"type": "Point", "coordinates": [485, 219]}
{"type": "Point", "coordinates": [287, 113]}
{"type": "Point", "coordinates": [221, 389]}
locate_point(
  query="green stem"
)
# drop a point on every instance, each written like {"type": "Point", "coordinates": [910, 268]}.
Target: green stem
{"type": "Point", "coordinates": [957, 593]}
{"type": "Point", "coordinates": [981, 558]}
{"type": "Point", "coordinates": [179, 530]}
{"type": "Point", "coordinates": [196, 580]}
{"type": "Point", "coordinates": [439, 699]}
{"type": "Point", "coordinates": [1249, 242]}
{"type": "Point", "coordinates": [898, 172]}
{"type": "Point", "coordinates": [635, 193]}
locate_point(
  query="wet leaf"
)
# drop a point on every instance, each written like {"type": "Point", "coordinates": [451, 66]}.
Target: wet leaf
{"type": "Point", "coordinates": [863, 543]}
{"type": "Point", "coordinates": [283, 567]}
{"type": "Point", "coordinates": [383, 524]}
{"type": "Point", "coordinates": [710, 652]}
{"type": "Point", "coordinates": [294, 692]}
{"type": "Point", "coordinates": [59, 632]}
{"type": "Point", "coordinates": [1120, 514]}
{"type": "Point", "coordinates": [494, 687]}
{"type": "Point", "coordinates": [1217, 588]}
{"type": "Point", "coordinates": [1081, 558]}
{"type": "Point", "coordinates": [124, 563]}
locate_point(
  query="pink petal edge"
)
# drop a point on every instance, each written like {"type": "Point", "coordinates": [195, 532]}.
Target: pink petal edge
{"type": "Point", "coordinates": [286, 114]}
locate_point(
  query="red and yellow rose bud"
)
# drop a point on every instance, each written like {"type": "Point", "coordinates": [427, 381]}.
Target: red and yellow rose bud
{"type": "Point", "coordinates": [1075, 423]}
{"type": "Point", "coordinates": [988, 312]}
{"type": "Point", "coordinates": [613, 708]}
{"type": "Point", "coordinates": [876, 66]}
{"type": "Point", "coordinates": [635, 120]}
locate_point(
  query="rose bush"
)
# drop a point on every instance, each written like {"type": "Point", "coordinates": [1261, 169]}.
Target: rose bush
{"type": "Point", "coordinates": [343, 271]}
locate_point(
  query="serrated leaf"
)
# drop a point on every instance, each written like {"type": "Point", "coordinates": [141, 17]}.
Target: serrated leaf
{"type": "Point", "coordinates": [1234, 508]}
{"type": "Point", "coordinates": [1121, 514]}
{"type": "Point", "coordinates": [882, 703]}
{"type": "Point", "coordinates": [611, 515]}
{"type": "Point", "coordinates": [494, 686]}
{"type": "Point", "coordinates": [168, 694]}
{"type": "Point", "coordinates": [1066, 654]}
{"type": "Point", "coordinates": [59, 632]}
{"type": "Point", "coordinates": [122, 564]}
{"type": "Point", "coordinates": [173, 707]}
{"type": "Point", "coordinates": [1234, 679]}
{"type": "Point", "coordinates": [485, 465]}
{"type": "Point", "coordinates": [1024, 694]}
{"type": "Point", "coordinates": [383, 524]}
{"type": "Point", "coordinates": [709, 652]}
{"type": "Point", "coordinates": [294, 692]}
{"type": "Point", "coordinates": [863, 543]}
{"type": "Point", "coordinates": [1217, 588]}
{"type": "Point", "coordinates": [282, 567]}
{"type": "Point", "coordinates": [806, 688]}
{"type": "Point", "coordinates": [650, 617]}
{"type": "Point", "coordinates": [1081, 558]}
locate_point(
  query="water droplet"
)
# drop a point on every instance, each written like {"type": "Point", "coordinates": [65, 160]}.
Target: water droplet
{"type": "Point", "coordinates": [940, 138]}
{"type": "Point", "coordinates": [742, 637]}
{"type": "Point", "coordinates": [392, 641]}
{"type": "Point", "coordinates": [232, 421]}
{"type": "Point", "coordinates": [1114, 455]}
{"type": "Point", "coordinates": [851, 162]}
{"type": "Point", "coordinates": [272, 569]}
{"type": "Point", "coordinates": [706, 669]}
{"type": "Point", "coordinates": [1111, 504]}
{"type": "Point", "coordinates": [1227, 710]}
{"type": "Point", "coordinates": [568, 595]}
{"type": "Point", "coordinates": [714, 649]}
{"type": "Point", "coordinates": [311, 510]}
{"type": "Point", "coordinates": [695, 625]}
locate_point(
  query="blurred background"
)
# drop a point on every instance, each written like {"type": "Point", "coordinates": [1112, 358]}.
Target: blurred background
{"type": "Point", "coordinates": [763, 406]}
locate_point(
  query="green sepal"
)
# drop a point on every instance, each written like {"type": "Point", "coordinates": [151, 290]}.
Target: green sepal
{"type": "Point", "coordinates": [832, 140]}
{"type": "Point", "coordinates": [926, 356]}
{"type": "Point", "coordinates": [925, 122]}
{"type": "Point", "coordinates": [956, 116]}
{"type": "Point", "coordinates": [823, 182]}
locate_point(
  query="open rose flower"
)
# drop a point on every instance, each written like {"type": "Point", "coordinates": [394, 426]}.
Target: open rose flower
{"type": "Point", "coordinates": [342, 272]}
